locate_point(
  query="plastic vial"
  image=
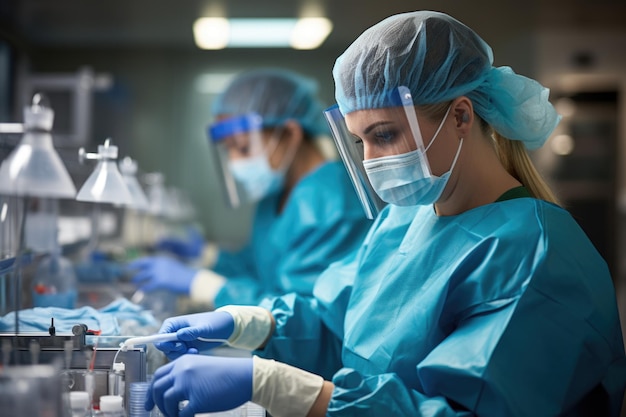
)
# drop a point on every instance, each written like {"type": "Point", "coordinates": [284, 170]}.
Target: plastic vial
{"type": "Point", "coordinates": [111, 406]}
{"type": "Point", "coordinates": [80, 404]}
{"type": "Point", "coordinates": [117, 385]}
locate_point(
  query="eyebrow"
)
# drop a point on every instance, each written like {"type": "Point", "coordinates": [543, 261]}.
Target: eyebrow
{"type": "Point", "coordinates": [375, 125]}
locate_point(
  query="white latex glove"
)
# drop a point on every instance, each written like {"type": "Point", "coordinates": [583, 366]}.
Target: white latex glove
{"type": "Point", "coordinates": [205, 286]}
{"type": "Point", "coordinates": [284, 390]}
{"type": "Point", "coordinates": [253, 326]}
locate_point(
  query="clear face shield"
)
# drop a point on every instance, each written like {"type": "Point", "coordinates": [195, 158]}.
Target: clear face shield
{"type": "Point", "coordinates": [242, 157]}
{"type": "Point", "coordinates": [351, 152]}
{"type": "Point", "coordinates": [385, 155]}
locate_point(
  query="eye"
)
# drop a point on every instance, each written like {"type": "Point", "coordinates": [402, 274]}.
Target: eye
{"type": "Point", "coordinates": [384, 136]}
{"type": "Point", "coordinates": [357, 139]}
{"type": "Point", "coordinates": [235, 148]}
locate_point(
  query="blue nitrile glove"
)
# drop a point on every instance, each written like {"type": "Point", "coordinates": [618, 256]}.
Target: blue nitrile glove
{"type": "Point", "coordinates": [209, 383]}
{"type": "Point", "coordinates": [161, 273]}
{"type": "Point", "coordinates": [189, 327]}
{"type": "Point", "coordinates": [189, 248]}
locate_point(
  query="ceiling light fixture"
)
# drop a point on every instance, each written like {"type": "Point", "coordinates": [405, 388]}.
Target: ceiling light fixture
{"type": "Point", "coordinates": [219, 33]}
{"type": "Point", "coordinates": [211, 32]}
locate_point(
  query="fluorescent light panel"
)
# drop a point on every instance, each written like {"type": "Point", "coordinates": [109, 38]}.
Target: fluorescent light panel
{"type": "Point", "coordinates": [310, 32]}
{"type": "Point", "coordinates": [213, 83]}
{"type": "Point", "coordinates": [218, 33]}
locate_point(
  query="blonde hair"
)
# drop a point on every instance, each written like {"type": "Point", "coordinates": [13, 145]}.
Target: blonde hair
{"type": "Point", "coordinates": [516, 161]}
{"type": "Point", "coordinates": [512, 155]}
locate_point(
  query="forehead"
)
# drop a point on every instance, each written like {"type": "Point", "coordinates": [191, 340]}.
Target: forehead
{"type": "Point", "coordinates": [358, 121]}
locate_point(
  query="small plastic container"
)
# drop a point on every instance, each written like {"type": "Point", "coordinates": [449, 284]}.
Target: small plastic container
{"type": "Point", "coordinates": [79, 404]}
{"type": "Point", "coordinates": [112, 406]}
{"type": "Point", "coordinates": [137, 399]}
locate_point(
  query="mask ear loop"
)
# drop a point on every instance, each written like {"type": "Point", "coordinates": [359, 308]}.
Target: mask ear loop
{"type": "Point", "coordinates": [439, 128]}
{"type": "Point", "coordinates": [287, 158]}
{"type": "Point", "coordinates": [458, 152]}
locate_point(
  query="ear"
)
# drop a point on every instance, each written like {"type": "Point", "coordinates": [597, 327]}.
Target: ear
{"type": "Point", "coordinates": [463, 112]}
{"type": "Point", "coordinates": [292, 133]}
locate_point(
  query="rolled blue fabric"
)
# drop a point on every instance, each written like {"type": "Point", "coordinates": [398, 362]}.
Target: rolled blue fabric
{"type": "Point", "coordinates": [439, 58]}
{"type": "Point", "coordinates": [108, 319]}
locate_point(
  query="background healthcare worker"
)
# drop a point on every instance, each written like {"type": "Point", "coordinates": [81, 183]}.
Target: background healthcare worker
{"type": "Point", "coordinates": [474, 294]}
{"type": "Point", "coordinates": [307, 214]}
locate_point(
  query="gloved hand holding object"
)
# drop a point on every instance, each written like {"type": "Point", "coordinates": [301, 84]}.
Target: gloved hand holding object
{"type": "Point", "coordinates": [190, 327]}
{"type": "Point", "coordinates": [160, 272]}
{"type": "Point", "coordinates": [211, 384]}
{"type": "Point", "coordinates": [245, 327]}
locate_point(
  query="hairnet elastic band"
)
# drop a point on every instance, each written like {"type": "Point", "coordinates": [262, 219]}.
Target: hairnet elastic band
{"type": "Point", "coordinates": [234, 125]}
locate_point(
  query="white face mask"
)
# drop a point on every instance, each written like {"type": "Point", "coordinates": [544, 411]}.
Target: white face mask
{"type": "Point", "coordinates": [257, 177]}
{"type": "Point", "coordinates": [405, 179]}
{"type": "Point", "coordinates": [255, 174]}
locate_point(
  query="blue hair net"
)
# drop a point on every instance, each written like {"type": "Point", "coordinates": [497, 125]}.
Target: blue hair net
{"type": "Point", "coordinates": [438, 58]}
{"type": "Point", "coordinates": [277, 95]}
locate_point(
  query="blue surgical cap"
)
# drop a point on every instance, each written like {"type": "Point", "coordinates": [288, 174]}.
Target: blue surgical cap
{"type": "Point", "coordinates": [277, 95]}
{"type": "Point", "coordinates": [439, 58]}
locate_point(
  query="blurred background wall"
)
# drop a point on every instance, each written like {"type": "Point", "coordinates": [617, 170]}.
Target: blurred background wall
{"type": "Point", "coordinates": [151, 87]}
{"type": "Point", "coordinates": [157, 106]}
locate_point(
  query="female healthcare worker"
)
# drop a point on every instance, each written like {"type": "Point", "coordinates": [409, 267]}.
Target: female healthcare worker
{"type": "Point", "coordinates": [474, 294]}
{"type": "Point", "coordinates": [268, 122]}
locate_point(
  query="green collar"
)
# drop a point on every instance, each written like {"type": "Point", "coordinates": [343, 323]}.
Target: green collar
{"type": "Point", "coordinates": [517, 192]}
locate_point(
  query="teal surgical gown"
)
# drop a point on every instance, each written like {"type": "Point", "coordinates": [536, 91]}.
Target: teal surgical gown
{"type": "Point", "coordinates": [321, 222]}
{"type": "Point", "coordinates": [504, 310]}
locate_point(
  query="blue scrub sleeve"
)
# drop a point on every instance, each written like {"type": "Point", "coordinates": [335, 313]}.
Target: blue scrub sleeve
{"type": "Point", "coordinates": [358, 395]}
{"type": "Point", "coordinates": [314, 249]}
{"type": "Point", "coordinates": [309, 330]}
{"type": "Point", "coordinates": [307, 253]}
{"type": "Point", "coordinates": [301, 339]}
{"type": "Point", "coordinates": [519, 337]}
{"type": "Point", "coordinates": [234, 263]}
{"type": "Point", "coordinates": [490, 365]}
{"type": "Point", "coordinates": [333, 290]}
{"type": "Point", "coordinates": [241, 287]}
{"type": "Point", "coordinates": [321, 222]}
